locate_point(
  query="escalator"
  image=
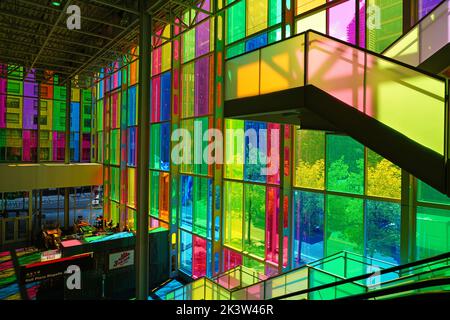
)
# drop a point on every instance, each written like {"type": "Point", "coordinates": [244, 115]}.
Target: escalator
{"type": "Point", "coordinates": [321, 83]}
{"type": "Point", "coordinates": [343, 275]}
{"type": "Point", "coordinates": [427, 44]}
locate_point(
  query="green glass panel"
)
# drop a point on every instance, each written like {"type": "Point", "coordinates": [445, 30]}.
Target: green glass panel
{"type": "Point", "coordinates": [425, 193]}
{"type": "Point", "coordinates": [383, 177]}
{"type": "Point", "coordinates": [344, 227]}
{"type": "Point", "coordinates": [274, 36]}
{"type": "Point", "coordinates": [384, 23]}
{"type": "Point", "coordinates": [154, 194]}
{"type": "Point", "coordinates": [200, 128]}
{"type": "Point", "coordinates": [253, 264]}
{"type": "Point", "coordinates": [155, 147]}
{"type": "Point", "coordinates": [319, 278]}
{"type": "Point", "coordinates": [99, 115]}
{"type": "Point", "coordinates": [188, 88]}
{"type": "Point", "coordinates": [115, 183]}
{"type": "Point", "coordinates": [309, 159]}
{"type": "Point", "coordinates": [234, 149]}
{"type": "Point", "coordinates": [235, 22]}
{"type": "Point", "coordinates": [235, 50]}
{"type": "Point", "coordinates": [344, 164]}
{"type": "Point", "coordinates": [274, 12]}
{"type": "Point", "coordinates": [187, 165]}
{"type": "Point", "coordinates": [233, 211]}
{"type": "Point", "coordinates": [115, 147]}
{"type": "Point", "coordinates": [255, 220]}
{"type": "Point", "coordinates": [115, 212]}
{"type": "Point", "coordinates": [189, 45]}
{"type": "Point", "coordinates": [433, 232]}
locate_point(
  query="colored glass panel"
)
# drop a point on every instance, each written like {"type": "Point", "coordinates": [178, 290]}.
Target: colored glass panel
{"type": "Point", "coordinates": [309, 159]}
{"type": "Point", "coordinates": [344, 229]}
{"type": "Point", "coordinates": [233, 214]}
{"type": "Point", "coordinates": [344, 164]}
{"type": "Point", "coordinates": [308, 227]}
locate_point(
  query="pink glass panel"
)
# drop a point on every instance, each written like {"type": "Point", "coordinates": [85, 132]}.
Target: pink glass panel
{"type": "Point", "coordinates": [273, 135]}
{"type": "Point", "coordinates": [199, 257]}
{"type": "Point", "coordinates": [342, 22]}
{"type": "Point", "coordinates": [231, 259]}
{"type": "Point", "coordinates": [156, 99]}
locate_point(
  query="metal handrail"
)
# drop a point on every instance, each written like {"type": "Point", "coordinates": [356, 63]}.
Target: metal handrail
{"type": "Point", "coordinates": [368, 275]}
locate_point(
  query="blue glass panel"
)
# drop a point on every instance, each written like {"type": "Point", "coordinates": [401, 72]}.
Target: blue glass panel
{"type": "Point", "coordinates": [186, 252]}
{"type": "Point", "coordinates": [132, 106]}
{"type": "Point", "coordinates": [383, 230]}
{"type": "Point", "coordinates": [255, 150]}
{"type": "Point", "coordinates": [75, 117]}
{"type": "Point", "coordinates": [308, 216]}
{"type": "Point", "coordinates": [165, 146]}
{"type": "Point", "coordinates": [131, 152]}
{"type": "Point", "coordinates": [165, 96]}
{"type": "Point", "coordinates": [256, 42]}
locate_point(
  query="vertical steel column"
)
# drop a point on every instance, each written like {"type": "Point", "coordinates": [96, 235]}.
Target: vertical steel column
{"type": "Point", "coordinates": [142, 245]}
{"type": "Point", "coordinates": [408, 219]}
{"type": "Point", "coordinates": [38, 146]}
{"type": "Point", "coordinates": [67, 151]}
{"type": "Point", "coordinates": [219, 122]}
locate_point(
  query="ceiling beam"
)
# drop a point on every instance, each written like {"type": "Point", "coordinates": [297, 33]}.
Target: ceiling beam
{"type": "Point", "coordinates": [116, 6]}
{"type": "Point", "coordinates": [61, 14]}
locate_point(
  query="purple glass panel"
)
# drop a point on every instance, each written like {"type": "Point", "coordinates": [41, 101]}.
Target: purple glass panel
{"type": "Point", "coordinates": [426, 6]}
{"type": "Point", "coordinates": [202, 86]}
{"type": "Point", "coordinates": [202, 15]}
{"type": "Point", "coordinates": [342, 22]}
{"type": "Point", "coordinates": [202, 39]}
{"type": "Point", "coordinates": [30, 112]}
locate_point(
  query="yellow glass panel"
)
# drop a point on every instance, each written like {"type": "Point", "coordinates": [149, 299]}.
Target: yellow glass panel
{"type": "Point", "coordinates": [407, 101]}
{"type": "Point", "coordinates": [256, 16]}
{"type": "Point", "coordinates": [306, 5]}
{"type": "Point", "coordinates": [407, 49]}
{"type": "Point", "coordinates": [282, 65]}
{"type": "Point", "coordinates": [75, 95]}
{"type": "Point", "coordinates": [317, 21]}
{"type": "Point", "coordinates": [242, 76]}
{"type": "Point", "coordinates": [132, 187]}
{"type": "Point", "coordinates": [166, 57]}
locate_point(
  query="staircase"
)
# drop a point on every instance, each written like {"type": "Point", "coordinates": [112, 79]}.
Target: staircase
{"type": "Point", "coordinates": [321, 83]}
{"type": "Point", "coordinates": [427, 44]}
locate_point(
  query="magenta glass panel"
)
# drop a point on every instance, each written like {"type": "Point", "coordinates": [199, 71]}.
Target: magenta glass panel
{"type": "Point", "coordinates": [201, 15]}
{"type": "Point", "coordinates": [29, 145]}
{"type": "Point", "coordinates": [273, 142]}
{"type": "Point", "coordinates": [202, 86]}
{"type": "Point", "coordinates": [202, 39]}
{"type": "Point", "coordinates": [156, 61]}
{"type": "Point", "coordinates": [342, 22]}
{"type": "Point", "coordinates": [156, 99]}
{"type": "Point", "coordinates": [362, 23]}
{"type": "Point", "coordinates": [426, 6]}
{"type": "Point", "coordinates": [86, 148]}
{"type": "Point", "coordinates": [2, 103]}
{"type": "Point", "coordinates": [30, 112]}
{"type": "Point", "coordinates": [231, 259]}
{"type": "Point", "coordinates": [272, 207]}
{"type": "Point", "coordinates": [59, 141]}
{"type": "Point", "coordinates": [199, 258]}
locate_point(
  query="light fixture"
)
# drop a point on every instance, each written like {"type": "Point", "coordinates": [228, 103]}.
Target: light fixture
{"type": "Point", "coordinates": [56, 3]}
